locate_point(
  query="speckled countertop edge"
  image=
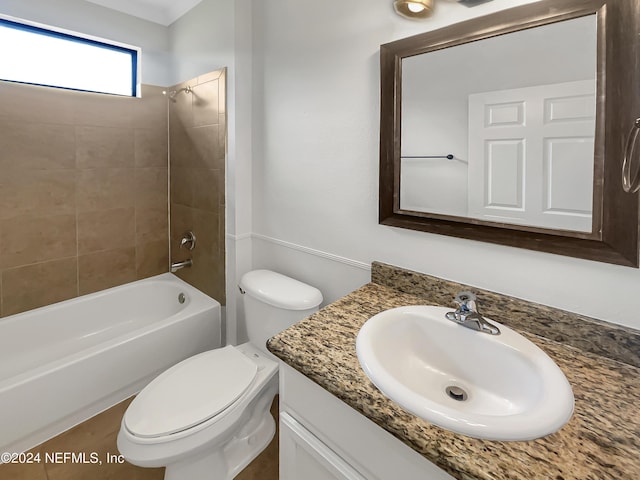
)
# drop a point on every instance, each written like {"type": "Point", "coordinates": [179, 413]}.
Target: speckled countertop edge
{"type": "Point", "coordinates": [600, 442]}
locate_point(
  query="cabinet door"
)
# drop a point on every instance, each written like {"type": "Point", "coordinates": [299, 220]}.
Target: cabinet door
{"type": "Point", "coordinates": [304, 456]}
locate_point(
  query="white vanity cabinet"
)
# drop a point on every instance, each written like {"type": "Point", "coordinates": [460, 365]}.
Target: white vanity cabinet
{"type": "Point", "coordinates": [303, 455]}
{"type": "Point", "coordinates": [322, 438]}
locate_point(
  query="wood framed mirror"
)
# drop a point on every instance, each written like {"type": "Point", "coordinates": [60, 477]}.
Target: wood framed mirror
{"type": "Point", "coordinates": [448, 121]}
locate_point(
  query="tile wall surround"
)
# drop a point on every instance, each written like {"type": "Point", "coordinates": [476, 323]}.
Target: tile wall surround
{"type": "Point", "coordinates": [83, 192]}
{"type": "Point", "coordinates": [84, 206]}
{"type": "Point", "coordinates": [197, 140]}
{"type": "Point", "coordinates": [587, 334]}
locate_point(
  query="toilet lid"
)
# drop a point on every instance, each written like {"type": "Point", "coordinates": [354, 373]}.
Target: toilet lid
{"type": "Point", "coordinates": [189, 393]}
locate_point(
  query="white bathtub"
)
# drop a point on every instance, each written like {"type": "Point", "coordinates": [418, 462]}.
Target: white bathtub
{"type": "Point", "coordinates": [62, 364]}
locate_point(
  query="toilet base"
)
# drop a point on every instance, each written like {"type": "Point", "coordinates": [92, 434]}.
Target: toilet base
{"type": "Point", "coordinates": [221, 447]}
{"type": "Point", "coordinates": [226, 463]}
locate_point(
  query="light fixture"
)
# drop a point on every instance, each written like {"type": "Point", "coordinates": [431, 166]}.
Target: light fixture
{"type": "Point", "coordinates": [414, 9]}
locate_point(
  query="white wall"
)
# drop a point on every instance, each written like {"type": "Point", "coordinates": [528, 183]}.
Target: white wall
{"type": "Point", "coordinates": [316, 166]}
{"type": "Point", "coordinates": [88, 18]}
{"type": "Point", "coordinates": [202, 40]}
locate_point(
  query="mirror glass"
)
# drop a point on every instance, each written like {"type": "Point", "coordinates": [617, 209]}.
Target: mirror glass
{"type": "Point", "coordinates": [502, 129]}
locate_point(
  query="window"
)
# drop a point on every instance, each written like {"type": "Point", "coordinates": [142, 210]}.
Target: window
{"type": "Point", "coordinates": [39, 55]}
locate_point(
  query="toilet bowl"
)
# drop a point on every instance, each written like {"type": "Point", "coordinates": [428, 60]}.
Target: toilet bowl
{"type": "Point", "coordinates": [209, 416]}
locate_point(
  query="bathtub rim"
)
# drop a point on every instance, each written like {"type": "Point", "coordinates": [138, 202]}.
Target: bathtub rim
{"type": "Point", "coordinates": [163, 277]}
{"type": "Point", "coordinates": [200, 305]}
{"type": "Point", "coordinates": [204, 303]}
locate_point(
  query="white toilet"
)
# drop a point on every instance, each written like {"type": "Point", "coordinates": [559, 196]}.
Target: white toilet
{"type": "Point", "coordinates": [208, 416]}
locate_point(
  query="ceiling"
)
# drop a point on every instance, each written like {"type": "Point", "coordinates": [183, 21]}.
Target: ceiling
{"type": "Point", "coordinates": [164, 12]}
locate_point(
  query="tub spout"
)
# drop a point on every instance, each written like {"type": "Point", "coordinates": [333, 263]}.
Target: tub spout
{"type": "Point", "coordinates": [175, 266]}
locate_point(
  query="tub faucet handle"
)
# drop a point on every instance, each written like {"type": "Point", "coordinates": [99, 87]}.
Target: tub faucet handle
{"type": "Point", "coordinates": [188, 240]}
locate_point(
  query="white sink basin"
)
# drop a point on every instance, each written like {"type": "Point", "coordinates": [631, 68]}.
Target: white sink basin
{"type": "Point", "coordinates": [495, 387]}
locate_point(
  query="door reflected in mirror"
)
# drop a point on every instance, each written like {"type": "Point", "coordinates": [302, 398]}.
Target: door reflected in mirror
{"type": "Point", "coordinates": [536, 157]}
{"type": "Point", "coordinates": [502, 130]}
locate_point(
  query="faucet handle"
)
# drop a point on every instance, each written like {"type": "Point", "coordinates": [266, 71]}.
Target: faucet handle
{"type": "Point", "coordinates": [468, 316]}
{"type": "Point", "coordinates": [466, 300]}
{"type": "Point", "coordinates": [188, 241]}
{"type": "Point", "coordinates": [463, 297]}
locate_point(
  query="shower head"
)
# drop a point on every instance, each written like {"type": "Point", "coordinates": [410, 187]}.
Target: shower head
{"type": "Point", "coordinates": [172, 94]}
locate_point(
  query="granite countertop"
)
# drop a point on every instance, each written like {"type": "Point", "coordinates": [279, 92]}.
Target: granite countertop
{"type": "Point", "coordinates": [601, 441]}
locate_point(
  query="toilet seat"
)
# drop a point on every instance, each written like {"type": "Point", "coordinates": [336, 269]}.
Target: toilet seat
{"type": "Point", "coordinates": [190, 393]}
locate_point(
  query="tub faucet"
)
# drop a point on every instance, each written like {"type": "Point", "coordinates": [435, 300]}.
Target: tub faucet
{"type": "Point", "coordinates": [175, 266]}
{"type": "Point", "coordinates": [188, 241]}
{"type": "Point", "coordinates": [468, 316]}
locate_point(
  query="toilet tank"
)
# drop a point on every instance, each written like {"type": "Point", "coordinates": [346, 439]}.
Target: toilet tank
{"type": "Point", "coordinates": [273, 302]}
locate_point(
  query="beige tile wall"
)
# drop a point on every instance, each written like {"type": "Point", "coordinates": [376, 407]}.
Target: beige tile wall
{"type": "Point", "coordinates": [197, 150]}
{"type": "Point", "coordinates": [83, 192]}
{"type": "Point", "coordinates": [83, 207]}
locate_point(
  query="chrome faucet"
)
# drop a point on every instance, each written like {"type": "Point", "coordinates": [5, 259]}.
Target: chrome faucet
{"type": "Point", "coordinates": [188, 241]}
{"type": "Point", "coordinates": [468, 316]}
{"type": "Point", "coordinates": [175, 266]}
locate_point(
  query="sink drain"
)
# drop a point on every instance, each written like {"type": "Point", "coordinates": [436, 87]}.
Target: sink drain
{"type": "Point", "coordinates": [456, 393]}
